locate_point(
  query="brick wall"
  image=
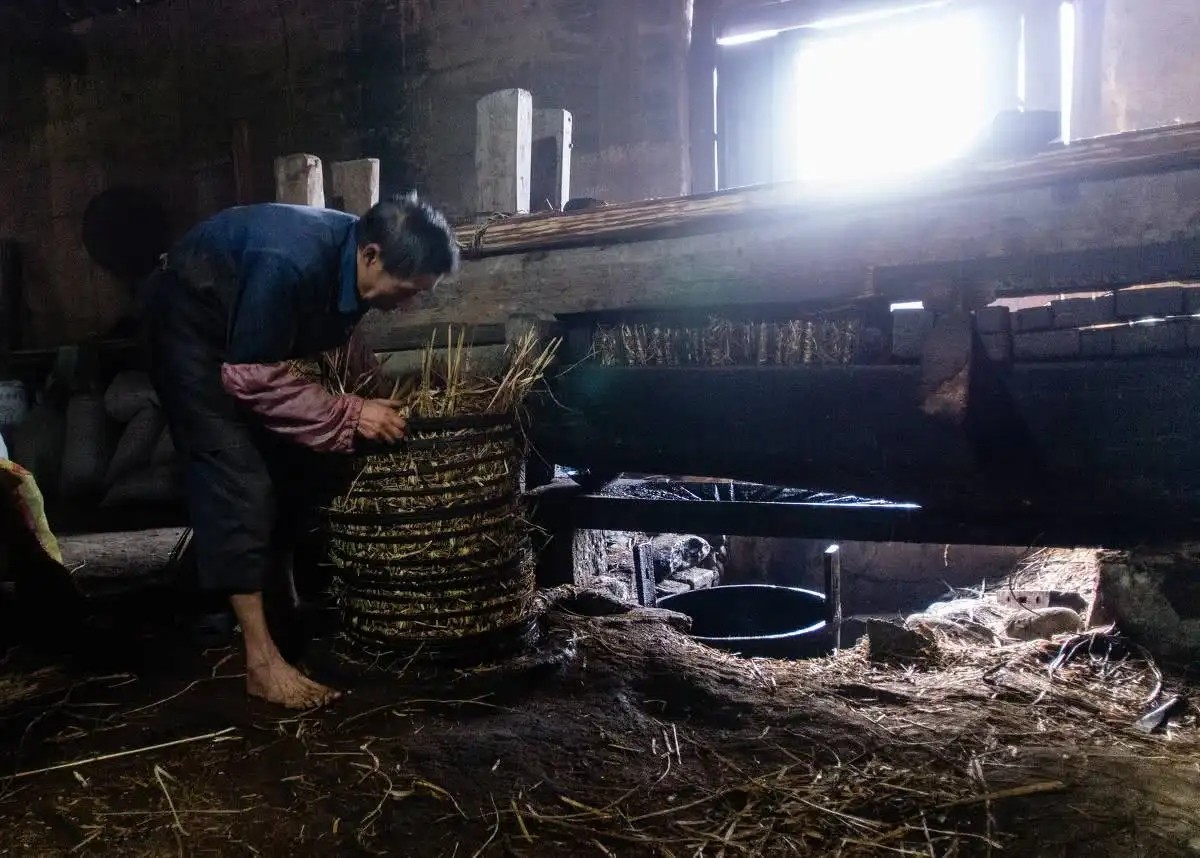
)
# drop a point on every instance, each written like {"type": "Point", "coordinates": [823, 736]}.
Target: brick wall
{"type": "Point", "coordinates": [394, 79]}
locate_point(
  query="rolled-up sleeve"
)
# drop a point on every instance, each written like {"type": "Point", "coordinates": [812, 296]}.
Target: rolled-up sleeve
{"type": "Point", "coordinates": [293, 406]}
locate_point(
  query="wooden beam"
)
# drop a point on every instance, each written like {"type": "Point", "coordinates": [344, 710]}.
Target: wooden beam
{"type": "Point", "coordinates": [1121, 155]}
{"type": "Point", "coordinates": [1032, 240]}
{"type": "Point", "coordinates": [410, 337]}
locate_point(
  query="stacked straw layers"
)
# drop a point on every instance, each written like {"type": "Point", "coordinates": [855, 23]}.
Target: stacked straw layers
{"type": "Point", "coordinates": [430, 542]}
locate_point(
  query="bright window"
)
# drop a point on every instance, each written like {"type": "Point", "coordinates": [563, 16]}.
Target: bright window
{"type": "Point", "coordinates": [887, 101]}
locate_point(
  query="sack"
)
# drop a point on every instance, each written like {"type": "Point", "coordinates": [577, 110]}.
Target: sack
{"type": "Point", "coordinates": [128, 394]}
{"type": "Point", "coordinates": [85, 446]}
{"type": "Point", "coordinates": [136, 447]}
{"type": "Point", "coordinates": [158, 484]}
{"type": "Point", "coordinates": [164, 451]}
{"type": "Point", "coordinates": [37, 444]}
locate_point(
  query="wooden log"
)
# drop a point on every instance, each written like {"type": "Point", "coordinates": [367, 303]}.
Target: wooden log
{"type": "Point", "coordinates": [1031, 241]}
{"type": "Point", "coordinates": [299, 180]}
{"type": "Point", "coordinates": [1132, 153]}
{"type": "Point", "coordinates": [503, 147]}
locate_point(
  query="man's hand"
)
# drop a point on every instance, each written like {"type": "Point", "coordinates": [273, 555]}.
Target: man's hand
{"type": "Point", "coordinates": [378, 421]}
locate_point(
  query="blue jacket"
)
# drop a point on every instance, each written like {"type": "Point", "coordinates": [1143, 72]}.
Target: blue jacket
{"type": "Point", "coordinates": [285, 276]}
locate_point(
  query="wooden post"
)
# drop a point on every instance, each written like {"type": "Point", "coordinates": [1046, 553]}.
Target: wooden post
{"type": "Point", "coordinates": [503, 150]}
{"type": "Point", "coordinates": [833, 594]}
{"type": "Point", "coordinates": [1004, 39]}
{"type": "Point", "coordinates": [243, 163]}
{"type": "Point", "coordinates": [299, 181]}
{"type": "Point", "coordinates": [550, 179]}
{"type": "Point", "coordinates": [536, 470]}
{"type": "Point", "coordinates": [643, 574]}
{"type": "Point", "coordinates": [355, 185]}
{"type": "Point", "coordinates": [1043, 56]}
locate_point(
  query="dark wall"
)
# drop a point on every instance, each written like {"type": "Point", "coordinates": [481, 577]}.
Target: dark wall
{"type": "Point", "coordinates": [393, 79]}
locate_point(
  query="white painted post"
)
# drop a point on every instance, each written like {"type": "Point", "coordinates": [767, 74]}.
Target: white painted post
{"type": "Point", "coordinates": [298, 180]}
{"type": "Point", "coordinates": [555, 123]}
{"type": "Point", "coordinates": [355, 184]}
{"type": "Point", "coordinates": [503, 151]}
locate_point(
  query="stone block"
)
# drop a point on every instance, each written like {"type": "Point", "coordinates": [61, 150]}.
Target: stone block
{"type": "Point", "coordinates": [1042, 623]}
{"type": "Point", "coordinates": [993, 320]}
{"type": "Point", "coordinates": [1154, 597]}
{"type": "Point", "coordinates": [998, 347]}
{"type": "Point", "coordinates": [1033, 319]}
{"type": "Point", "coordinates": [1046, 345]}
{"type": "Point", "coordinates": [696, 579]}
{"type": "Point", "coordinates": [672, 588]}
{"type": "Point", "coordinates": [892, 643]}
{"type": "Point", "coordinates": [1082, 312]}
{"type": "Point", "coordinates": [1155, 302]}
{"type": "Point", "coordinates": [909, 330]}
{"type": "Point", "coordinates": [1096, 342]}
{"type": "Point", "coordinates": [1149, 339]}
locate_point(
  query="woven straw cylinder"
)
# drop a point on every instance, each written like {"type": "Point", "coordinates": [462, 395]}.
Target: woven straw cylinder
{"type": "Point", "coordinates": [429, 542]}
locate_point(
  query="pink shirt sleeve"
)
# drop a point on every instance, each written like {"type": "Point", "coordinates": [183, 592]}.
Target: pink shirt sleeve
{"type": "Point", "coordinates": [294, 406]}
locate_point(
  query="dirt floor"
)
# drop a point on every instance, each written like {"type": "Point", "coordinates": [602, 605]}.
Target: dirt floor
{"type": "Point", "coordinates": [618, 736]}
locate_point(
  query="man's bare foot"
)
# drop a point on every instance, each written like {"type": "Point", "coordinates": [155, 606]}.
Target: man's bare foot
{"type": "Point", "coordinates": [267, 674]}
{"type": "Point", "coordinates": [278, 682]}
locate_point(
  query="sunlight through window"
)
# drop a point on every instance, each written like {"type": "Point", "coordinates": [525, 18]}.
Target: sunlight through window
{"type": "Point", "coordinates": [888, 101]}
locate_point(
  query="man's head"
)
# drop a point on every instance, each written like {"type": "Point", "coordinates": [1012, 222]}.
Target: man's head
{"type": "Point", "coordinates": [404, 248]}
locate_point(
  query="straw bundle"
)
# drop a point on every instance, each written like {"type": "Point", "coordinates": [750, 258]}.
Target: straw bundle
{"type": "Point", "coordinates": [429, 541]}
{"type": "Point", "coordinates": [723, 342]}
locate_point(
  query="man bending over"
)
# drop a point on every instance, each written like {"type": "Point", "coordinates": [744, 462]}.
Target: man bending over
{"type": "Point", "coordinates": [239, 296]}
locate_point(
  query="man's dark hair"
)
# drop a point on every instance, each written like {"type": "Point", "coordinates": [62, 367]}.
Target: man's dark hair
{"type": "Point", "coordinates": [413, 237]}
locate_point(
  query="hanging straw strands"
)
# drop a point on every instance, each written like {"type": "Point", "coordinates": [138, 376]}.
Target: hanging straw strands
{"type": "Point", "coordinates": [723, 342]}
{"type": "Point", "coordinates": [429, 540]}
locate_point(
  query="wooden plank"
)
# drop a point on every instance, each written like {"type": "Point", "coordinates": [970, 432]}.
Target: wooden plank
{"type": "Point", "coordinates": [1129, 154]}
{"type": "Point", "coordinates": [1036, 240]}
{"type": "Point", "coordinates": [415, 337]}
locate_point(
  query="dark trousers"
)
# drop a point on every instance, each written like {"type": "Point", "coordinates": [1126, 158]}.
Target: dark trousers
{"type": "Point", "coordinates": [250, 494]}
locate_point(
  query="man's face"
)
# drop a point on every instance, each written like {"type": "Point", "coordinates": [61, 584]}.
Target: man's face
{"type": "Point", "coordinates": [385, 291]}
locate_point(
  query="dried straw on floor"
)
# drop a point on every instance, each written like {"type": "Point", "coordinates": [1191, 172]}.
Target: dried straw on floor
{"type": "Point", "coordinates": [429, 539]}
{"type": "Point", "coordinates": [982, 750]}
